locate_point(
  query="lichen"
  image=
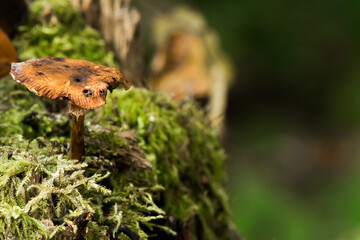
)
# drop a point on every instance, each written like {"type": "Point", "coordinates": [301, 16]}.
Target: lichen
{"type": "Point", "coordinates": [43, 192]}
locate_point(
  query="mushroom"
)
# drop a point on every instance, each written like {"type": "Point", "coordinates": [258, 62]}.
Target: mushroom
{"type": "Point", "coordinates": [84, 84]}
{"type": "Point", "coordinates": [7, 54]}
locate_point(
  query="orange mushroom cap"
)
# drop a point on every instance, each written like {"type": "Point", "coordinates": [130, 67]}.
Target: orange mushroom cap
{"type": "Point", "coordinates": [83, 83]}
{"type": "Point", "coordinates": [7, 54]}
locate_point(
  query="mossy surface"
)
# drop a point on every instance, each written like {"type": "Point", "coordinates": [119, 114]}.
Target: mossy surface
{"type": "Point", "coordinates": [43, 192]}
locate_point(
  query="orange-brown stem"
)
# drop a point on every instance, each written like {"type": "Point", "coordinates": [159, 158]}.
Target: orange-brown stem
{"type": "Point", "coordinates": [77, 146]}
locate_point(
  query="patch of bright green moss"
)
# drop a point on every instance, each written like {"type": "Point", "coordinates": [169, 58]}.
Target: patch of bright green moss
{"type": "Point", "coordinates": [186, 155]}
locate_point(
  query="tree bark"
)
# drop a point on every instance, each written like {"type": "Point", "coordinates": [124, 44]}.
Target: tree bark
{"type": "Point", "coordinates": [119, 24]}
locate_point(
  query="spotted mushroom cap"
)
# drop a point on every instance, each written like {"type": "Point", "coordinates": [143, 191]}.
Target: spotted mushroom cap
{"type": "Point", "coordinates": [83, 83]}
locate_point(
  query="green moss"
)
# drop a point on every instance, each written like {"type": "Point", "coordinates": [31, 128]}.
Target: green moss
{"type": "Point", "coordinates": [187, 160]}
{"type": "Point", "coordinates": [38, 189]}
{"type": "Point", "coordinates": [186, 155]}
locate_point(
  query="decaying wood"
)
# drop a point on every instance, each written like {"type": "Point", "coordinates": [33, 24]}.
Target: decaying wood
{"type": "Point", "coordinates": [119, 25]}
{"type": "Point", "coordinates": [130, 155]}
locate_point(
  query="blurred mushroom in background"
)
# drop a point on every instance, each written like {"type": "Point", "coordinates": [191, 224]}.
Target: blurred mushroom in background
{"type": "Point", "coordinates": [189, 62]}
{"type": "Point", "coordinates": [179, 67]}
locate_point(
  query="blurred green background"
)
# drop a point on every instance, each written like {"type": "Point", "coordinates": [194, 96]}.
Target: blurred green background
{"type": "Point", "coordinates": [293, 116]}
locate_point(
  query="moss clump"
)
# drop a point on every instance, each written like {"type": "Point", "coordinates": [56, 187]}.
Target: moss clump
{"type": "Point", "coordinates": [44, 194]}
{"type": "Point", "coordinates": [185, 154]}
{"type": "Point", "coordinates": [184, 151]}
{"type": "Point", "coordinates": [41, 195]}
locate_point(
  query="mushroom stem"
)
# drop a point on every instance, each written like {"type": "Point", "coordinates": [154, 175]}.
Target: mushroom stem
{"type": "Point", "coordinates": [77, 146]}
